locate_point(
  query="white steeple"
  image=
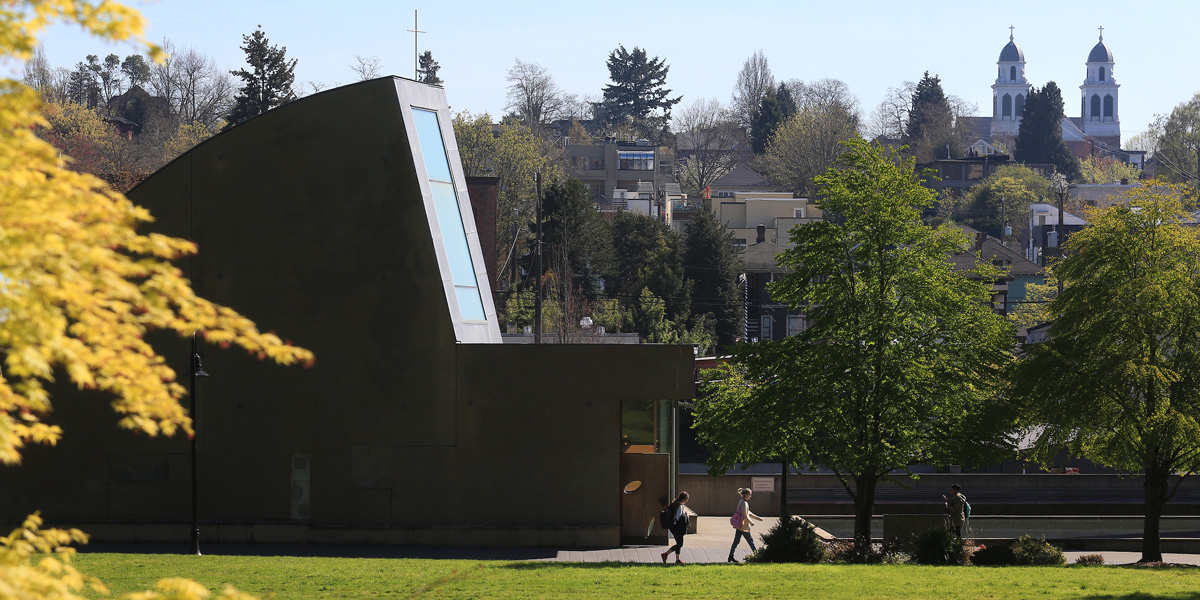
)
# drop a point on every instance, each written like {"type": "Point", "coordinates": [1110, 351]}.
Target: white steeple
{"type": "Point", "coordinates": [1009, 91]}
{"type": "Point", "coordinates": [1099, 93]}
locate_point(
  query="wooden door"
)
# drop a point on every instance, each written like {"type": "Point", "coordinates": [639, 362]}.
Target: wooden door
{"type": "Point", "coordinates": [640, 508]}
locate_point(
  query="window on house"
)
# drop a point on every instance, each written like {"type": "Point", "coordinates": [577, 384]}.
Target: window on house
{"type": "Point", "coordinates": [767, 322]}
{"type": "Point", "coordinates": [1041, 220]}
{"type": "Point", "coordinates": [1006, 106]}
{"type": "Point", "coordinates": [1020, 107]}
{"type": "Point", "coordinates": [1101, 73]}
{"type": "Point", "coordinates": [1095, 113]}
{"type": "Point", "coordinates": [796, 324]}
{"type": "Point", "coordinates": [635, 160]}
{"type": "Point", "coordinates": [739, 241]}
{"type": "Point", "coordinates": [1012, 73]}
{"type": "Point", "coordinates": [974, 172]}
{"type": "Point", "coordinates": [1108, 106]}
{"type": "Point", "coordinates": [798, 213]}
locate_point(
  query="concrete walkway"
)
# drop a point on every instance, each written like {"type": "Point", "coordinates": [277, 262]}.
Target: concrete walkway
{"type": "Point", "coordinates": [709, 545]}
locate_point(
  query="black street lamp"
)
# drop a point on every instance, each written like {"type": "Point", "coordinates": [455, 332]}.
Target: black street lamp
{"type": "Point", "coordinates": [196, 371]}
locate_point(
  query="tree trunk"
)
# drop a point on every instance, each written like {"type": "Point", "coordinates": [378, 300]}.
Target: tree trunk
{"type": "Point", "coordinates": [864, 506]}
{"type": "Point", "coordinates": [1155, 485]}
{"type": "Point", "coordinates": [784, 513]}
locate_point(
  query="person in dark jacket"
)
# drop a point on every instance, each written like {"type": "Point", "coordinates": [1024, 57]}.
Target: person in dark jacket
{"type": "Point", "coordinates": [956, 506]}
{"type": "Point", "coordinates": [679, 525]}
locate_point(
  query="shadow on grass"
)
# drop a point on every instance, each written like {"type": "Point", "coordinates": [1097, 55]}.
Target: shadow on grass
{"type": "Point", "coordinates": [611, 564]}
{"type": "Point", "coordinates": [325, 551]}
{"type": "Point", "coordinates": [1144, 596]}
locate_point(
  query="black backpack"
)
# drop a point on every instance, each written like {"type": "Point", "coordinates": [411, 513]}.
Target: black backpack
{"type": "Point", "coordinates": [666, 518]}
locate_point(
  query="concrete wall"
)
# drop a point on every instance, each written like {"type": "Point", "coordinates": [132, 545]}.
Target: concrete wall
{"type": "Point", "coordinates": [717, 495]}
{"type": "Point", "coordinates": [310, 222]}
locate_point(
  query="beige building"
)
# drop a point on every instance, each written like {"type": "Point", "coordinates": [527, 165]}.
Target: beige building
{"type": "Point", "coordinates": [755, 217]}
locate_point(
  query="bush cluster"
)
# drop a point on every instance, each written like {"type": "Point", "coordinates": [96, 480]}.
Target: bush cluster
{"type": "Point", "coordinates": [1090, 559]}
{"type": "Point", "coordinates": [939, 546]}
{"type": "Point", "coordinates": [1026, 550]}
{"type": "Point", "coordinates": [861, 551]}
{"type": "Point", "coordinates": [791, 540]}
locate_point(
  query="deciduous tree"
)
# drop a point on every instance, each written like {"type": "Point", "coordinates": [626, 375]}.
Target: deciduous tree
{"type": "Point", "coordinates": [808, 143]}
{"type": "Point", "coordinates": [902, 359]}
{"type": "Point", "coordinates": [532, 94]}
{"type": "Point", "coordinates": [709, 145]}
{"type": "Point", "coordinates": [1118, 379]}
{"type": "Point", "coordinates": [366, 67]}
{"type": "Point", "coordinates": [1179, 143]}
{"type": "Point", "coordinates": [1003, 198]}
{"type": "Point", "coordinates": [753, 82]}
{"type": "Point", "coordinates": [267, 84]}
{"type": "Point", "coordinates": [79, 288]}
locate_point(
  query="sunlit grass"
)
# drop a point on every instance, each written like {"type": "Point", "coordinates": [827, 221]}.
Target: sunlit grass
{"type": "Point", "coordinates": [309, 577]}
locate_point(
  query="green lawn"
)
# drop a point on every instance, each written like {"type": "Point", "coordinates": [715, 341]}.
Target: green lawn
{"type": "Point", "coordinates": [309, 578]}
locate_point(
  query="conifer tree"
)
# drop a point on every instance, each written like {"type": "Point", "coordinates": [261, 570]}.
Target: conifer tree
{"type": "Point", "coordinates": [930, 131]}
{"type": "Point", "coordinates": [776, 108]}
{"type": "Point", "coordinates": [638, 91]}
{"type": "Point", "coordinates": [428, 69]}
{"type": "Point", "coordinates": [710, 261]}
{"type": "Point", "coordinates": [269, 82]}
{"type": "Point", "coordinates": [1039, 141]}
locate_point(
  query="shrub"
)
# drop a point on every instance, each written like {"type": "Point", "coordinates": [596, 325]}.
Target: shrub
{"type": "Point", "coordinates": [791, 540]}
{"type": "Point", "coordinates": [1029, 551]}
{"type": "Point", "coordinates": [1090, 559]}
{"type": "Point", "coordinates": [939, 546]}
{"type": "Point", "coordinates": [994, 556]}
{"type": "Point", "coordinates": [862, 551]}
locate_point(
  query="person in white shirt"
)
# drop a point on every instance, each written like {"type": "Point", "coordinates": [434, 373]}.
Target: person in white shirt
{"type": "Point", "coordinates": [741, 522]}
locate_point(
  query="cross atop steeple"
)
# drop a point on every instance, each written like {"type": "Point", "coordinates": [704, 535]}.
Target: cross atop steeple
{"type": "Point", "coordinates": [1102, 33]}
{"type": "Point", "coordinates": [1010, 33]}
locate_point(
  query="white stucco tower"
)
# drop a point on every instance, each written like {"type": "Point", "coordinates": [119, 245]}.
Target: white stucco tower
{"type": "Point", "coordinates": [1099, 94]}
{"type": "Point", "coordinates": [1009, 91]}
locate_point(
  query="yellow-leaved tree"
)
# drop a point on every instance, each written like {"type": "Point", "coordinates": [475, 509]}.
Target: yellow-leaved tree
{"type": "Point", "coordinates": [79, 286]}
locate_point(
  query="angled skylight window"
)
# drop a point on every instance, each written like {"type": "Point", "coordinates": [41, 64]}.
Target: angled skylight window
{"type": "Point", "coordinates": [449, 216]}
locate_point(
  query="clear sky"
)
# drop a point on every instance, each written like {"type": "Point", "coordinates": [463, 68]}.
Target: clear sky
{"type": "Point", "coordinates": [870, 45]}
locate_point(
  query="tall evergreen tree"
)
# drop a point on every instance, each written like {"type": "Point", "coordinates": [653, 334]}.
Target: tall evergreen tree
{"type": "Point", "coordinates": [82, 87]}
{"type": "Point", "coordinates": [268, 84]}
{"type": "Point", "coordinates": [575, 238]}
{"type": "Point", "coordinates": [428, 69]}
{"type": "Point", "coordinates": [930, 131]}
{"type": "Point", "coordinates": [647, 255]}
{"type": "Point", "coordinates": [638, 90]}
{"type": "Point", "coordinates": [1039, 141]}
{"type": "Point", "coordinates": [710, 261]}
{"type": "Point", "coordinates": [776, 108]}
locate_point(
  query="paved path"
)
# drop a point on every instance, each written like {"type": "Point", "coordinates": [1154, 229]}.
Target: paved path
{"type": "Point", "coordinates": [709, 545]}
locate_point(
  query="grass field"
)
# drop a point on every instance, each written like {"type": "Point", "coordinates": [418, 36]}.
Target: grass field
{"type": "Point", "coordinates": [327, 578]}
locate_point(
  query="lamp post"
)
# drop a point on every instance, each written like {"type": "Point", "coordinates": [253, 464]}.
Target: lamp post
{"type": "Point", "coordinates": [196, 371]}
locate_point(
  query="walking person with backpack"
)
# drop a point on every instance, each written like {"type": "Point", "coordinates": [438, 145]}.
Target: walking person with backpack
{"type": "Point", "coordinates": [675, 518]}
{"type": "Point", "coordinates": [741, 522]}
{"type": "Point", "coordinates": [958, 508]}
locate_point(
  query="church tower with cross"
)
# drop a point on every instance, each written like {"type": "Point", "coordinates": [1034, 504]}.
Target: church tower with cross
{"type": "Point", "coordinates": [1009, 91]}
{"type": "Point", "coordinates": [1099, 104]}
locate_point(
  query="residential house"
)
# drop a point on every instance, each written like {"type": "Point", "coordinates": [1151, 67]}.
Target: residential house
{"type": "Point", "coordinates": [1044, 231]}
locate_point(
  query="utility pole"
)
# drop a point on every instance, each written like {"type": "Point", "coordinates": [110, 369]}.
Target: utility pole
{"type": "Point", "coordinates": [537, 257]}
{"type": "Point", "coordinates": [1003, 218]}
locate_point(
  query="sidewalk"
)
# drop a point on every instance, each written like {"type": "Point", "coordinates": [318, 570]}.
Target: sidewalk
{"type": "Point", "coordinates": [709, 545]}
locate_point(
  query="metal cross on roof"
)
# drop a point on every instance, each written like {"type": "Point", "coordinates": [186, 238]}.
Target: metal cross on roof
{"type": "Point", "coordinates": [415, 32]}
